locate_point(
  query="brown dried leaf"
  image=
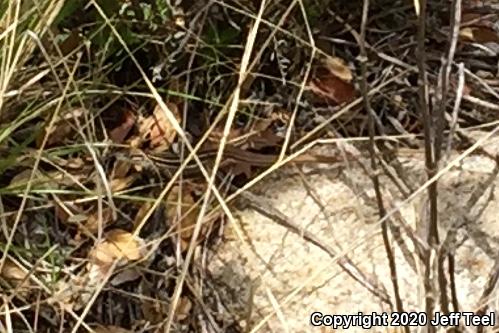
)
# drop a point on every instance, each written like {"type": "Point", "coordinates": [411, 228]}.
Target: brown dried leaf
{"type": "Point", "coordinates": [39, 180]}
{"type": "Point", "coordinates": [158, 129]}
{"type": "Point", "coordinates": [61, 128]}
{"type": "Point", "coordinates": [72, 41]}
{"type": "Point", "coordinates": [93, 221]}
{"type": "Point", "coordinates": [12, 272]}
{"type": "Point", "coordinates": [69, 212]}
{"type": "Point", "coordinates": [141, 214]}
{"type": "Point", "coordinates": [332, 81]}
{"type": "Point", "coordinates": [57, 135]}
{"type": "Point", "coordinates": [61, 213]}
{"type": "Point", "coordinates": [184, 308]}
{"type": "Point", "coordinates": [120, 184]}
{"type": "Point", "coordinates": [479, 35]}
{"type": "Point", "coordinates": [118, 134]}
{"type": "Point", "coordinates": [188, 214]}
{"type": "Point", "coordinates": [121, 168]}
{"type": "Point", "coordinates": [117, 245]}
{"type": "Point", "coordinates": [70, 163]}
{"type": "Point", "coordinates": [17, 276]}
{"type": "Point", "coordinates": [332, 88]}
{"type": "Point", "coordinates": [153, 310]}
{"type": "Point", "coordinates": [127, 275]}
{"type": "Point", "coordinates": [339, 68]}
{"type": "Point", "coordinates": [466, 34]}
{"type": "Point", "coordinates": [454, 84]}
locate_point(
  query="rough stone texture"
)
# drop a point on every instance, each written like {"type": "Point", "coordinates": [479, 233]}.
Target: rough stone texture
{"type": "Point", "coordinates": [280, 278]}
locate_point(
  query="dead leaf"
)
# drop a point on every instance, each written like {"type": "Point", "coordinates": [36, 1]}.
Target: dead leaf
{"type": "Point", "coordinates": [120, 184]}
{"type": "Point", "coordinates": [65, 292]}
{"type": "Point", "coordinates": [470, 18]}
{"type": "Point", "coordinates": [158, 129]}
{"type": "Point", "coordinates": [121, 168]}
{"type": "Point", "coordinates": [12, 272]}
{"type": "Point", "coordinates": [454, 84]}
{"type": "Point", "coordinates": [141, 214]}
{"type": "Point", "coordinates": [61, 128]}
{"type": "Point", "coordinates": [72, 41]}
{"type": "Point", "coordinates": [93, 222]}
{"type": "Point", "coordinates": [332, 81]}
{"type": "Point", "coordinates": [153, 310]}
{"type": "Point", "coordinates": [332, 88]}
{"type": "Point", "coordinates": [184, 308]}
{"type": "Point", "coordinates": [39, 180]}
{"type": "Point", "coordinates": [339, 68]}
{"type": "Point", "coordinates": [187, 218]}
{"type": "Point", "coordinates": [479, 35]}
{"type": "Point", "coordinates": [77, 218]}
{"type": "Point", "coordinates": [466, 34]}
{"type": "Point", "coordinates": [17, 276]}
{"type": "Point", "coordinates": [118, 245]}
{"type": "Point", "coordinates": [126, 275]}
{"type": "Point", "coordinates": [70, 163]}
{"type": "Point", "coordinates": [118, 134]}
{"type": "Point", "coordinates": [61, 213]}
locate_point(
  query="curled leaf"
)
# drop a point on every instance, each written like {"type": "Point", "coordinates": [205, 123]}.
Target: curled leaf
{"type": "Point", "coordinates": [339, 68]}
{"type": "Point", "coordinates": [13, 272]}
{"type": "Point", "coordinates": [332, 81]}
{"type": "Point", "coordinates": [479, 35]}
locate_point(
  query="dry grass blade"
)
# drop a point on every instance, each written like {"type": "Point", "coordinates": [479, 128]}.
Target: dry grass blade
{"type": "Point", "coordinates": [232, 112]}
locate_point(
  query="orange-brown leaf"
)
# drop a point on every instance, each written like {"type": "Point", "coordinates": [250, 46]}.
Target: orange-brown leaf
{"type": "Point", "coordinates": [332, 88]}
{"type": "Point", "coordinates": [118, 245]}
{"type": "Point", "coordinates": [333, 81]}
{"type": "Point", "coordinates": [118, 134]}
{"type": "Point", "coordinates": [479, 35]}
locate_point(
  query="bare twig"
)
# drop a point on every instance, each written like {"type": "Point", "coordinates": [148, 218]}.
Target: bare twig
{"type": "Point", "coordinates": [455, 111]}
{"type": "Point", "coordinates": [374, 164]}
{"type": "Point", "coordinates": [439, 126]}
{"type": "Point", "coordinates": [432, 229]}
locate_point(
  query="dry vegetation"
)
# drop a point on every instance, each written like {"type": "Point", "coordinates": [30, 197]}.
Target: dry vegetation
{"type": "Point", "coordinates": [129, 129]}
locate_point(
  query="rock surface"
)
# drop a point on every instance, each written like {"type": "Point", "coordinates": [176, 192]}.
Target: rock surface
{"type": "Point", "coordinates": [277, 278]}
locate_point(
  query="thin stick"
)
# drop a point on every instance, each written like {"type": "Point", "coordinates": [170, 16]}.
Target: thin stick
{"type": "Point", "coordinates": [432, 228]}
{"type": "Point", "coordinates": [374, 165]}
{"type": "Point", "coordinates": [211, 182]}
